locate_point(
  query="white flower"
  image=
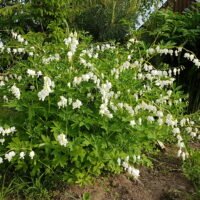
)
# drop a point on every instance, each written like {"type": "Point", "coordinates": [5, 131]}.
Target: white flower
{"type": "Point", "coordinates": [191, 122]}
{"type": "Point", "coordinates": [20, 50]}
{"type": "Point", "coordinates": [62, 103]}
{"type": "Point", "coordinates": [10, 155]}
{"type": "Point", "coordinates": [20, 39]}
{"type": "Point", "coordinates": [70, 54]}
{"type": "Point", "coordinates": [69, 85]}
{"type": "Point", "coordinates": [32, 154]}
{"type": "Point", "coordinates": [135, 172]}
{"type": "Point", "coordinates": [180, 49]}
{"type": "Point", "coordinates": [193, 134]}
{"type": "Point", "coordinates": [77, 80]}
{"type": "Point", "coordinates": [120, 105]}
{"type": "Point", "coordinates": [1, 45]}
{"type": "Point", "coordinates": [176, 131]}
{"type": "Point", "coordinates": [86, 77]}
{"type": "Point", "coordinates": [2, 141]}
{"type": "Point", "coordinates": [130, 170]}
{"type": "Point", "coordinates": [31, 73]}
{"type": "Point", "coordinates": [134, 158]}
{"type": "Point", "coordinates": [119, 161]}
{"type": "Point", "coordinates": [39, 73]}
{"type": "Point", "coordinates": [32, 87]}
{"type": "Point", "coordinates": [67, 41]}
{"type": "Point", "coordinates": [112, 106]}
{"type": "Point", "coordinates": [8, 50]}
{"type": "Point", "coordinates": [127, 158]}
{"type": "Point", "coordinates": [183, 156]}
{"type": "Point", "coordinates": [21, 155]}
{"type": "Point", "coordinates": [125, 165]}
{"type": "Point", "coordinates": [150, 118]}
{"type": "Point", "coordinates": [62, 140]}
{"type": "Point", "coordinates": [1, 129]}
{"type": "Point", "coordinates": [1, 160]}
{"type": "Point", "coordinates": [160, 121]}
{"type": "Point", "coordinates": [2, 83]}
{"type": "Point", "coordinates": [132, 123]}
{"type": "Point", "coordinates": [43, 94]}
{"type": "Point", "coordinates": [48, 83]}
{"type": "Point", "coordinates": [140, 121]}
{"type": "Point", "coordinates": [179, 153]}
{"type": "Point", "coordinates": [179, 137]}
{"type": "Point", "coordinates": [5, 98]}
{"type": "Point", "coordinates": [14, 35]}
{"type": "Point", "coordinates": [30, 54]}
{"type": "Point", "coordinates": [15, 91]}
{"type": "Point", "coordinates": [77, 104]}
{"type": "Point", "coordinates": [14, 51]}
{"type": "Point", "coordinates": [180, 144]}
{"type": "Point", "coordinates": [19, 78]}
{"type": "Point", "coordinates": [104, 111]}
{"type": "Point", "coordinates": [151, 51]}
{"type": "Point", "coordinates": [191, 57]}
{"type": "Point", "coordinates": [183, 122]}
{"type": "Point", "coordinates": [159, 113]}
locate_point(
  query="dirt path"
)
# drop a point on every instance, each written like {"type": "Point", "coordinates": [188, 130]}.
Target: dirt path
{"type": "Point", "coordinates": [164, 182]}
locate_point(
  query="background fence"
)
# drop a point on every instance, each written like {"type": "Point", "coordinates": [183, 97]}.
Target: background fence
{"type": "Point", "coordinates": [180, 5]}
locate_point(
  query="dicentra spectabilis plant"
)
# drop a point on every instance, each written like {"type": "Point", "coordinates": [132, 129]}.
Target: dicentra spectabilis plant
{"type": "Point", "coordinates": [79, 109]}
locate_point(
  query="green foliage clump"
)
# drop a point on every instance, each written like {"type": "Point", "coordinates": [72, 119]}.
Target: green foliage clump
{"type": "Point", "coordinates": [192, 170]}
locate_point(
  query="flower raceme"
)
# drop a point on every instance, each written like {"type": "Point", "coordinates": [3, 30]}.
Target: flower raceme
{"type": "Point", "coordinates": [7, 131]}
{"type": "Point", "coordinates": [127, 167]}
{"type": "Point", "coordinates": [33, 73]}
{"type": "Point", "coordinates": [72, 42]}
{"type": "Point", "coordinates": [64, 102]}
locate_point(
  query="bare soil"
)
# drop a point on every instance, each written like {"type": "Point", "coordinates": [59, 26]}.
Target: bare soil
{"type": "Point", "coordinates": [164, 182]}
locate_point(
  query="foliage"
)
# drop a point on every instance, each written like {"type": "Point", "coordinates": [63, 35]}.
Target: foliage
{"type": "Point", "coordinates": [192, 169]}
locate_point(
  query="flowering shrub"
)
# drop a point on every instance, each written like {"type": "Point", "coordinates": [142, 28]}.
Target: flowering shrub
{"type": "Point", "coordinates": [79, 109]}
{"type": "Point", "coordinates": [168, 26]}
